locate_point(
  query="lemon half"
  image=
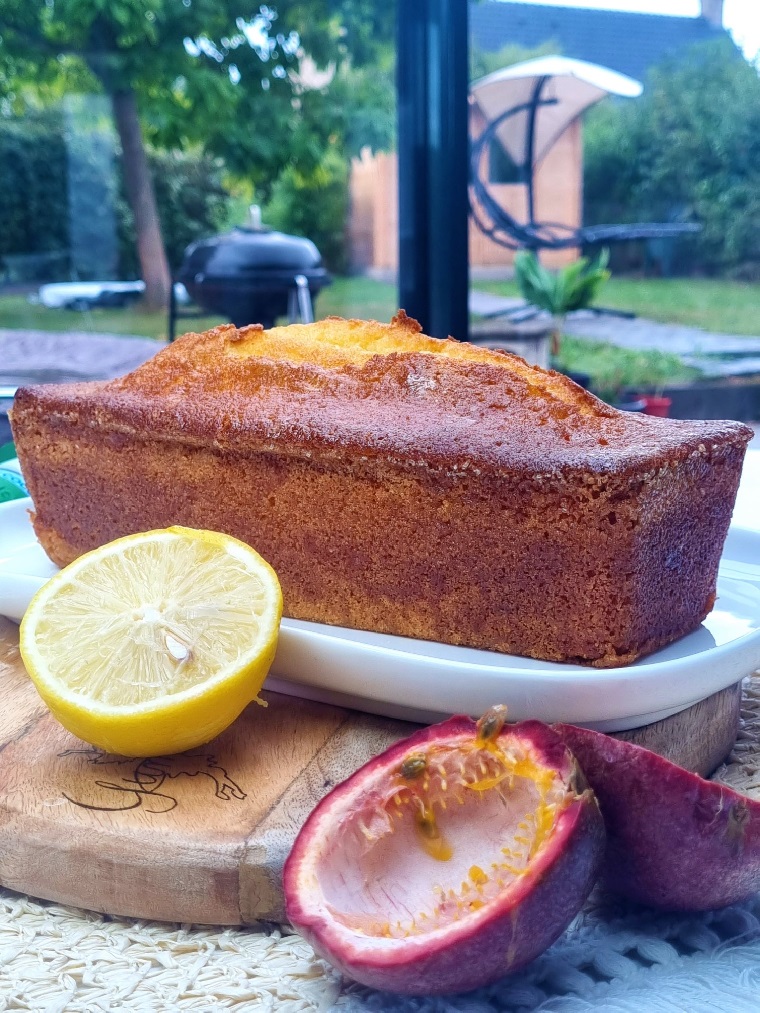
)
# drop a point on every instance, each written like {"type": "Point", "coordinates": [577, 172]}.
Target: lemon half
{"type": "Point", "coordinates": [156, 642]}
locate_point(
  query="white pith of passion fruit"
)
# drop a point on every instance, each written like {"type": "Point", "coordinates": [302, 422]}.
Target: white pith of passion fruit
{"type": "Point", "coordinates": [453, 858]}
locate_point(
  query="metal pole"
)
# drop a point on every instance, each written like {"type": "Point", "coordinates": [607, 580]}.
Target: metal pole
{"type": "Point", "coordinates": [529, 168]}
{"type": "Point", "coordinates": [432, 78]}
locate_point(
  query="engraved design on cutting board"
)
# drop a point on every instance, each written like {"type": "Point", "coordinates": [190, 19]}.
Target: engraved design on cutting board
{"type": "Point", "coordinates": [143, 789]}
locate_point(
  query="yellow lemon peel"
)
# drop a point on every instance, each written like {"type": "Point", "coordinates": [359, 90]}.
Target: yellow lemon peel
{"type": "Point", "coordinates": [156, 642]}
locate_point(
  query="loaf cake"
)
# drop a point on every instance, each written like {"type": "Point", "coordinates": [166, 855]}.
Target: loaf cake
{"type": "Point", "coordinates": [399, 483]}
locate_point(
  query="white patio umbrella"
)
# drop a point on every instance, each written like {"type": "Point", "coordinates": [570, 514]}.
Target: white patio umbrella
{"type": "Point", "coordinates": [549, 93]}
{"type": "Point", "coordinates": [526, 107]}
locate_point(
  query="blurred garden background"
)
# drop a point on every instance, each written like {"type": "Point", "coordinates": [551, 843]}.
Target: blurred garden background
{"type": "Point", "coordinates": [130, 129]}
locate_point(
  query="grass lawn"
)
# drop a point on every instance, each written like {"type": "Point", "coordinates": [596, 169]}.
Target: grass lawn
{"type": "Point", "coordinates": [17, 312]}
{"type": "Point", "coordinates": [721, 306]}
{"type": "Point", "coordinates": [357, 297]}
{"type": "Point", "coordinates": [724, 307]}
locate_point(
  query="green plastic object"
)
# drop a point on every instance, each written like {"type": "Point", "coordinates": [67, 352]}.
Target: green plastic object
{"type": "Point", "coordinates": [11, 483]}
{"type": "Point", "coordinates": [7, 452]}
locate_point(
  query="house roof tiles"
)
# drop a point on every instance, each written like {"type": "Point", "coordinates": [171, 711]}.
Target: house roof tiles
{"type": "Point", "coordinates": [627, 42]}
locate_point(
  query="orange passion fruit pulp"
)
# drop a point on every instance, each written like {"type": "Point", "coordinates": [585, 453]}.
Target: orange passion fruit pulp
{"type": "Point", "coordinates": [451, 859]}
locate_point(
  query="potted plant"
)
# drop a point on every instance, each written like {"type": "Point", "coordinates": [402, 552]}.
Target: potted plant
{"type": "Point", "coordinates": [658, 372]}
{"type": "Point", "coordinates": [611, 383]}
{"type": "Point", "coordinates": [560, 292]}
{"type": "Point", "coordinates": [620, 375]}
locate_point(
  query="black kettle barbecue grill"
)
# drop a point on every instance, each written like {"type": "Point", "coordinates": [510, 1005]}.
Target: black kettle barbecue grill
{"type": "Point", "coordinates": [251, 275]}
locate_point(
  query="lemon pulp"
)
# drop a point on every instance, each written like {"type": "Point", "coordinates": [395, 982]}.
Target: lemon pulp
{"type": "Point", "coordinates": [154, 643]}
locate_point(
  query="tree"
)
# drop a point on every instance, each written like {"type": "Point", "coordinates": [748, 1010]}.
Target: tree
{"type": "Point", "coordinates": [52, 40]}
{"type": "Point", "coordinates": [688, 149]}
{"type": "Point", "coordinates": [190, 72]}
{"type": "Point", "coordinates": [290, 120]}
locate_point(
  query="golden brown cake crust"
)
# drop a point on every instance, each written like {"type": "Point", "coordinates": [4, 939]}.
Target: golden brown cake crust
{"type": "Point", "coordinates": [424, 402]}
{"type": "Point", "coordinates": [426, 488]}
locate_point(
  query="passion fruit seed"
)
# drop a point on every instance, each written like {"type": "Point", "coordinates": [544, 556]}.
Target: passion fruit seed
{"type": "Point", "coordinates": [432, 840]}
{"type": "Point", "coordinates": [413, 766]}
{"type": "Point", "coordinates": [492, 722]}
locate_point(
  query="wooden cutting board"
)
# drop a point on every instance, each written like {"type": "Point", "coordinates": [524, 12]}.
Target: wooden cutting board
{"type": "Point", "coordinates": [201, 837]}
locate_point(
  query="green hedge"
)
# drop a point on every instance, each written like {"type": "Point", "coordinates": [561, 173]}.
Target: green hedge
{"type": "Point", "coordinates": [314, 205]}
{"type": "Point", "coordinates": [37, 160]}
{"type": "Point", "coordinates": [192, 204]}
{"type": "Point", "coordinates": [33, 186]}
{"type": "Point", "coordinates": [688, 149]}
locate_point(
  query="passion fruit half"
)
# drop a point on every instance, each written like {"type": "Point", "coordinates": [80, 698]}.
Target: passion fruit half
{"type": "Point", "coordinates": [451, 859]}
{"type": "Point", "coordinates": [674, 840]}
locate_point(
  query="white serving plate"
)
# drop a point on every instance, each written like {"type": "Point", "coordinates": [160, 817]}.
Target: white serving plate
{"type": "Point", "coordinates": [424, 681]}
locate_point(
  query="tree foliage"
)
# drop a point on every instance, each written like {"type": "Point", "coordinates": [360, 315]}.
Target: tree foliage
{"type": "Point", "coordinates": [192, 204]}
{"type": "Point", "coordinates": [209, 78]}
{"type": "Point", "coordinates": [483, 62]}
{"type": "Point", "coordinates": [204, 75]}
{"type": "Point", "coordinates": [315, 205]}
{"type": "Point", "coordinates": [688, 149]}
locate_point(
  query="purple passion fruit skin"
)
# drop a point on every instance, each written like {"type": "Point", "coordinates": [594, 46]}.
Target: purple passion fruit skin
{"type": "Point", "coordinates": [450, 860]}
{"type": "Point", "coordinates": [674, 840]}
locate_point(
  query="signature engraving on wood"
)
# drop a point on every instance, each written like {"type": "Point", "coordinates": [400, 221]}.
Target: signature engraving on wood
{"type": "Point", "coordinates": [143, 789]}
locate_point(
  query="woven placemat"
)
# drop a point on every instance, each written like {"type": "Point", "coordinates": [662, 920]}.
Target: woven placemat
{"type": "Point", "coordinates": [741, 770]}
{"type": "Point", "coordinates": [55, 959]}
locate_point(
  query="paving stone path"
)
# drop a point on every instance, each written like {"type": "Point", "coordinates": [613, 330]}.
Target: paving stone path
{"type": "Point", "coordinates": [714, 354]}
{"type": "Point", "coordinates": [49, 356]}
{"type": "Point", "coordinates": [696, 347]}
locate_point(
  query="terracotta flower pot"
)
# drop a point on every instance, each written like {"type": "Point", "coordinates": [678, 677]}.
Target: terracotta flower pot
{"type": "Point", "coordinates": [656, 405]}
